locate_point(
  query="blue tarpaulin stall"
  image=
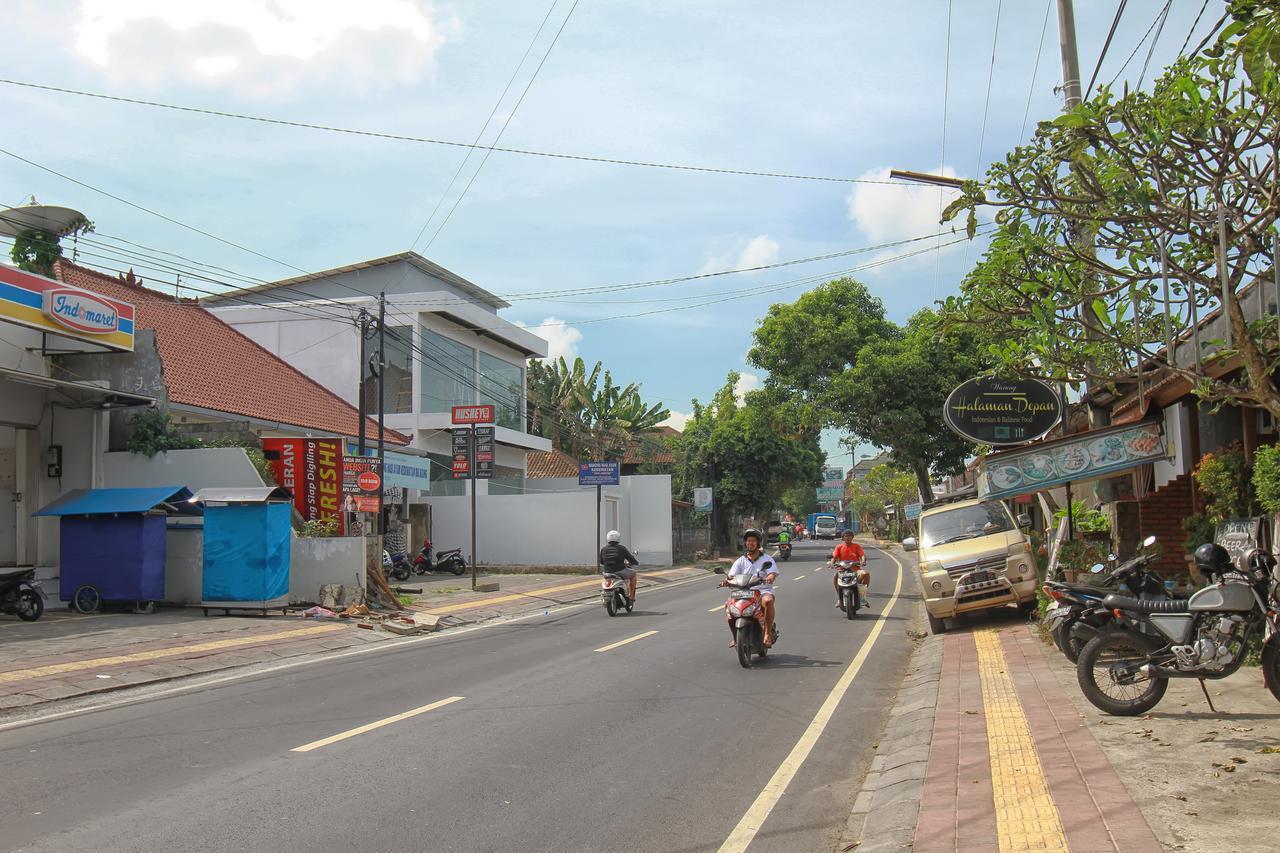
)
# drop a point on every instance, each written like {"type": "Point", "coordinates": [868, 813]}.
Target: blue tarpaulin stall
{"type": "Point", "coordinates": [113, 543]}
{"type": "Point", "coordinates": [247, 537]}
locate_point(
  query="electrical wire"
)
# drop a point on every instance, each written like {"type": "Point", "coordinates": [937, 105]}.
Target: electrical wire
{"type": "Point", "coordinates": [1044, 28]}
{"type": "Point", "coordinates": [1115, 22]}
{"type": "Point", "coordinates": [942, 160]}
{"type": "Point", "coordinates": [1157, 21]}
{"type": "Point", "coordinates": [1164, 16]}
{"type": "Point", "coordinates": [1186, 41]}
{"type": "Point", "coordinates": [986, 104]}
{"type": "Point", "coordinates": [614, 161]}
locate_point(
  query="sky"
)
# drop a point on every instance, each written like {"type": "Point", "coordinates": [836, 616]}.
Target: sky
{"type": "Point", "coordinates": [825, 89]}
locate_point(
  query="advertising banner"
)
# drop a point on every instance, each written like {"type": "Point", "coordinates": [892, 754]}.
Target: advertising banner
{"type": "Point", "coordinates": [828, 493]}
{"type": "Point", "coordinates": [361, 484]}
{"type": "Point", "coordinates": [49, 306]}
{"type": "Point", "coordinates": [400, 469]}
{"type": "Point", "coordinates": [702, 498]}
{"type": "Point", "coordinates": [311, 469]}
{"type": "Point", "coordinates": [473, 414]}
{"type": "Point", "coordinates": [484, 452]}
{"type": "Point", "coordinates": [1002, 411]}
{"type": "Point", "coordinates": [461, 454]}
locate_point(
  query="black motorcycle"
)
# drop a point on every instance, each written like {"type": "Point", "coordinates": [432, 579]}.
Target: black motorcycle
{"type": "Point", "coordinates": [446, 561]}
{"type": "Point", "coordinates": [784, 551]}
{"type": "Point", "coordinates": [21, 594]}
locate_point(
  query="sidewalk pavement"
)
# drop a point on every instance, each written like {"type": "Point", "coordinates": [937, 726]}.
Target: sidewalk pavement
{"type": "Point", "coordinates": [67, 656]}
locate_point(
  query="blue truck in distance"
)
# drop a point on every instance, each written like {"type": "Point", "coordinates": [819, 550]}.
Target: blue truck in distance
{"type": "Point", "coordinates": [821, 525]}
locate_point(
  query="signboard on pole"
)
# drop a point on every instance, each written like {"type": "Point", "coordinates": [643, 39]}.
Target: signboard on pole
{"type": "Point", "coordinates": [702, 499]}
{"type": "Point", "coordinates": [361, 483]}
{"type": "Point", "coordinates": [311, 469]}
{"type": "Point", "coordinates": [483, 456]}
{"type": "Point", "coordinates": [473, 414]}
{"type": "Point", "coordinates": [825, 493]}
{"type": "Point", "coordinates": [461, 454]}
{"type": "Point", "coordinates": [912, 511]}
{"type": "Point", "coordinates": [833, 478]}
{"type": "Point", "coordinates": [1002, 411]}
{"type": "Point", "coordinates": [401, 469]}
{"type": "Point", "coordinates": [597, 473]}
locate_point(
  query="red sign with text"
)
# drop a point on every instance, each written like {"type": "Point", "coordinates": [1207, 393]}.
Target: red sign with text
{"type": "Point", "coordinates": [473, 414]}
{"type": "Point", "coordinates": [310, 468]}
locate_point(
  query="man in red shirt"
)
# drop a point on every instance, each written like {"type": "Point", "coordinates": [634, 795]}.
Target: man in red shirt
{"type": "Point", "coordinates": [848, 550]}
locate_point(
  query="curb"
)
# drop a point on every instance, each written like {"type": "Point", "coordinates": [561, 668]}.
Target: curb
{"type": "Point", "coordinates": [888, 805]}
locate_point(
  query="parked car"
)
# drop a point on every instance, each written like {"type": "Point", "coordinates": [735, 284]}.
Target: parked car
{"type": "Point", "coordinates": [825, 527]}
{"type": "Point", "coordinates": [972, 556]}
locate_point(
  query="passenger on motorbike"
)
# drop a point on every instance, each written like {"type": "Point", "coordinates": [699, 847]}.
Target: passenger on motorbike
{"type": "Point", "coordinates": [784, 538]}
{"type": "Point", "coordinates": [848, 550]}
{"type": "Point", "coordinates": [756, 563]}
{"type": "Point", "coordinates": [617, 560]}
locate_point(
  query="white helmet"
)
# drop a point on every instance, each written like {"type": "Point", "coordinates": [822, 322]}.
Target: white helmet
{"type": "Point", "coordinates": [613, 536]}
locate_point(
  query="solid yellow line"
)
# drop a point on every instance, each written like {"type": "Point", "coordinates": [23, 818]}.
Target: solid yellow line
{"type": "Point", "coordinates": [745, 832]}
{"type": "Point", "coordinates": [368, 727]}
{"type": "Point", "coordinates": [1026, 817]}
{"type": "Point", "coordinates": [156, 654]}
{"type": "Point", "coordinates": [612, 646]}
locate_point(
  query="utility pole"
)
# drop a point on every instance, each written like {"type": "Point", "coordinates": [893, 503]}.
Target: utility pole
{"type": "Point", "coordinates": [382, 425]}
{"type": "Point", "coordinates": [362, 325]}
{"type": "Point", "coordinates": [1070, 56]}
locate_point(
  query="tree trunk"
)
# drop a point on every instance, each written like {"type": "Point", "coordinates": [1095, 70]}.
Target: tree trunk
{"type": "Point", "coordinates": [1255, 364]}
{"type": "Point", "coordinates": [921, 468]}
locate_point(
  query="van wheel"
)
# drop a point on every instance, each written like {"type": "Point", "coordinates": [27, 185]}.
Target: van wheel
{"type": "Point", "coordinates": [936, 625]}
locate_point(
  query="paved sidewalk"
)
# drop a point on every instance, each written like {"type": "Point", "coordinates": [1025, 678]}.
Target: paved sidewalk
{"type": "Point", "coordinates": [68, 656]}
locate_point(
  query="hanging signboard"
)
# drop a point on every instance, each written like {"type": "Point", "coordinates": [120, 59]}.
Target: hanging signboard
{"type": "Point", "coordinates": [461, 454]}
{"type": "Point", "coordinates": [484, 452]}
{"type": "Point", "coordinates": [702, 498]}
{"type": "Point", "coordinates": [597, 473]}
{"type": "Point", "coordinates": [361, 484]}
{"type": "Point", "coordinates": [473, 414]}
{"type": "Point", "coordinates": [1239, 536]}
{"type": "Point", "coordinates": [827, 493]}
{"type": "Point", "coordinates": [1002, 411]}
{"type": "Point", "coordinates": [400, 469]}
{"type": "Point", "coordinates": [311, 469]}
{"type": "Point", "coordinates": [49, 306]}
{"type": "Point", "coordinates": [1086, 456]}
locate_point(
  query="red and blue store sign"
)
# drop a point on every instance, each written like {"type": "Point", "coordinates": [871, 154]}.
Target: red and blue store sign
{"type": "Point", "coordinates": [50, 306]}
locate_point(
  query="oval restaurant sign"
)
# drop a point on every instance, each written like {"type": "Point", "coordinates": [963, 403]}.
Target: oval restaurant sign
{"type": "Point", "coordinates": [1002, 411]}
{"type": "Point", "coordinates": [49, 306]}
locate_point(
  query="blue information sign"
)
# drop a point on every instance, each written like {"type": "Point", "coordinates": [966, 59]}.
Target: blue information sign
{"type": "Point", "coordinates": [597, 473]}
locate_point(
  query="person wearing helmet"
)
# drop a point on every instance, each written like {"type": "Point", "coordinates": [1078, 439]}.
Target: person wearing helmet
{"type": "Point", "coordinates": [617, 560]}
{"type": "Point", "coordinates": [756, 563]}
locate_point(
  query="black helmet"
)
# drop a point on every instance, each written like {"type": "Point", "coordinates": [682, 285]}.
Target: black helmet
{"type": "Point", "coordinates": [1212, 560]}
{"type": "Point", "coordinates": [753, 531]}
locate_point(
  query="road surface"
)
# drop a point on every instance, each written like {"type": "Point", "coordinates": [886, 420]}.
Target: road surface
{"type": "Point", "coordinates": [571, 731]}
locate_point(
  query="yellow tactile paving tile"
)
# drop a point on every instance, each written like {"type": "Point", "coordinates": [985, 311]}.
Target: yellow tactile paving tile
{"type": "Point", "coordinates": [1026, 817]}
{"type": "Point", "coordinates": [172, 651]}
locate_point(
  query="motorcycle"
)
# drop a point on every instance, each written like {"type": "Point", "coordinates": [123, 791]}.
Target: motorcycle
{"type": "Point", "coordinates": [784, 551]}
{"type": "Point", "coordinates": [448, 561]}
{"type": "Point", "coordinates": [1206, 636]}
{"type": "Point", "coordinates": [1078, 616]}
{"type": "Point", "coordinates": [396, 566]}
{"type": "Point", "coordinates": [613, 592]}
{"type": "Point", "coordinates": [744, 611]}
{"type": "Point", "coordinates": [21, 594]}
{"type": "Point", "coordinates": [853, 582]}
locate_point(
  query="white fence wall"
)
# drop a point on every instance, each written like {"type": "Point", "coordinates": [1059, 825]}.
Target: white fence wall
{"type": "Point", "coordinates": [556, 525]}
{"type": "Point", "coordinates": [316, 561]}
{"type": "Point", "coordinates": [199, 468]}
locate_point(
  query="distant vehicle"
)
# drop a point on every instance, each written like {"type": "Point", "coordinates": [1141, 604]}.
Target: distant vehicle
{"type": "Point", "coordinates": [825, 527]}
{"type": "Point", "coordinates": [771, 531]}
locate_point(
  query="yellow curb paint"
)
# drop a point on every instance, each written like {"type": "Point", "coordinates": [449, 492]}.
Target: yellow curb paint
{"type": "Point", "coordinates": [745, 832]}
{"type": "Point", "coordinates": [533, 593]}
{"type": "Point", "coordinates": [157, 654]}
{"type": "Point", "coordinates": [377, 724]}
{"type": "Point", "coordinates": [1026, 817]}
{"type": "Point", "coordinates": [613, 646]}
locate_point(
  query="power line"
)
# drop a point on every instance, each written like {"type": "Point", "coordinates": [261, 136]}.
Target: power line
{"type": "Point", "coordinates": [1186, 41]}
{"type": "Point", "coordinates": [1159, 19]}
{"type": "Point", "coordinates": [614, 161]}
{"type": "Point", "coordinates": [1115, 22]}
{"type": "Point", "coordinates": [1044, 28]}
{"type": "Point", "coordinates": [1164, 16]}
{"type": "Point", "coordinates": [986, 104]}
{"type": "Point", "coordinates": [942, 164]}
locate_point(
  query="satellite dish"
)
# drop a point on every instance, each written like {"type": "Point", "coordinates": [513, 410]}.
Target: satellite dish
{"type": "Point", "coordinates": [58, 221]}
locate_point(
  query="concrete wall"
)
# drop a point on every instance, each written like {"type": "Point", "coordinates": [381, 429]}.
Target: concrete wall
{"type": "Point", "coordinates": [556, 526]}
{"type": "Point", "coordinates": [205, 467]}
{"type": "Point", "coordinates": [314, 562]}
{"type": "Point", "coordinates": [137, 372]}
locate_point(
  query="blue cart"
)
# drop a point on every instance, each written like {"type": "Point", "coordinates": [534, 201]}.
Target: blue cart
{"type": "Point", "coordinates": [247, 537]}
{"type": "Point", "coordinates": [113, 544]}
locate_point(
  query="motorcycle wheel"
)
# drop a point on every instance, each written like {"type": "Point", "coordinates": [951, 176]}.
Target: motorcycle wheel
{"type": "Point", "coordinates": [1271, 666]}
{"type": "Point", "coordinates": [458, 566]}
{"type": "Point", "coordinates": [850, 609]}
{"type": "Point", "coordinates": [400, 573]}
{"type": "Point", "coordinates": [30, 605]}
{"type": "Point", "coordinates": [745, 641]}
{"type": "Point", "coordinates": [1104, 684]}
{"type": "Point", "coordinates": [611, 605]}
{"type": "Point", "coordinates": [1068, 645]}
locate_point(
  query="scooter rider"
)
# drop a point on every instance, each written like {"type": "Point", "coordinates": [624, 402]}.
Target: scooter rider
{"type": "Point", "coordinates": [848, 550]}
{"type": "Point", "coordinates": [756, 563]}
{"type": "Point", "coordinates": [617, 560]}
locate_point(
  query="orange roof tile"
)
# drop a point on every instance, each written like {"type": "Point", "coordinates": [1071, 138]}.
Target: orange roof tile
{"type": "Point", "coordinates": [211, 365]}
{"type": "Point", "coordinates": [544, 464]}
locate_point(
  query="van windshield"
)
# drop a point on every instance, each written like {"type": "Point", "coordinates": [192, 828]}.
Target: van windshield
{"type": "Point", "coordinates": [968, 522]}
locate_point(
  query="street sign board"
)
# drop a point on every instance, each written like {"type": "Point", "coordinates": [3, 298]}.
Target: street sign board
{"type": "Point", "coordinates": [461, 454]}
{"type": "Point", "coordinates": [832, 475]}
{"type": "Point", "coordinates": [597, 473]}
{"type": "Point", "coordinates": [473, 414]}
{"type": "Point", "coordinates": [702, 498]}
{"type": "Point", "coordinates": [829, 494]}
{"type": "Point", "coordinates": [912, 511]}
{"type": "Point", "coordinates": [484, 452]}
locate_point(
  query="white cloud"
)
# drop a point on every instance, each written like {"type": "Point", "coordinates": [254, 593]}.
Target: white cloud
{"type": "Point", "coordinates": [677, 420]}
{"type": "Point", "coordinates": [746, 382]}
{"type": "Point", "coordinates": [261, 45]}
{"type": "Point", "coordinates": [756, 252]}
{"type": "Point", "coordinates": [562, 339]}
{"type": "Point", "coordinates": [899, 211]}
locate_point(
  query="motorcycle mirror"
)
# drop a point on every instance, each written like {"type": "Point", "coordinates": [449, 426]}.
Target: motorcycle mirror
{"type": "Point", "coordinates": [910, 544]}
{"type": "Point", "coordinates": [1097, 567]}
{"type": "Point", "coordinates": [719, 570]}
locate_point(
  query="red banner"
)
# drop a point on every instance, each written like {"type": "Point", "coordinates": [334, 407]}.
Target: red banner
{"type": "Point", "coordinates": [310, 468]}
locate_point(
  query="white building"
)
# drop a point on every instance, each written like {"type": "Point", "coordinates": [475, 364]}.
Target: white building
{"type": "Point", "coordinates": [446, 346]}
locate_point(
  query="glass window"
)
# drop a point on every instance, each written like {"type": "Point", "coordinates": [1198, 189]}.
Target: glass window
{"type": "Point", "coordinates": [506, 481]}
{"type": "Point", "coordinates": [448, 373]}
{"type": "Point", "coordinates": [502, 383]}
{"type": "Point", "coordinates": [442, 482]}
{"type": "Point", "coordinates": [399, 393]}
{"type": "Point", "coordinates": [967, 522]}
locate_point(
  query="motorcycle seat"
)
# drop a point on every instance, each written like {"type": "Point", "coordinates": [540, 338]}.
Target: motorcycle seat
{"type": "Point", "coordinates": [9, 574]}
{"type": "Point", "coordinates": [1145, 605]}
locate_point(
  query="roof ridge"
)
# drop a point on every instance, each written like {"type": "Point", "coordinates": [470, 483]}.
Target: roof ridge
{"type": "Point", "coordinates": [134, 283]}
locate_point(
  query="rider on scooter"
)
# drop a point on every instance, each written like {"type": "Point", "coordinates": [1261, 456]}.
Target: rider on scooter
{"type": "Point", "coordinates": [848, 550]}
{"type": "Point", "coordinates": [617, 560]}
{"type": "Point", "coordinates": [756, 563]}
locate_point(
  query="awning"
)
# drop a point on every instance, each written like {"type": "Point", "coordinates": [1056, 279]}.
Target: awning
{"type": "Point", "coordinates": [1077, 458]}
{"type": "Point", "coordinates": [242, 495]}
{"type": "Point", "coordinates": [81, 393]}
{"type": "Point", "coordinates": [173, 500]}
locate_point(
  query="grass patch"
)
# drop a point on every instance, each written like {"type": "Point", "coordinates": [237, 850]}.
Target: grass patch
{"type": "Point", "coordinates": [406, 600]}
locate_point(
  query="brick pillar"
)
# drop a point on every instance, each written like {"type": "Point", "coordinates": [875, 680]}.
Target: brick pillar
{"type": "Point", "coordinates": [1160, 514]}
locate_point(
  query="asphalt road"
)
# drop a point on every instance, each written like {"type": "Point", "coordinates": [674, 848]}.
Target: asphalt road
{"type": "Point", "coordinates": [558, 741]}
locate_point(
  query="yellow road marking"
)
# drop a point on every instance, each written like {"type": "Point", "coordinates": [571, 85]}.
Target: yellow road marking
{"type": "Point", "coordinates": [156, 654]}
{"type": "Point", "coordinates": [534, 593]}
{"type": "Point", "coordinates": [745, 832]}
{"type": "Point", "coordinates": [1026, 817]}
{"type": "Point", "coordinates": [613, 646]}
{"type": "Point", "coordinates": [377, 724]}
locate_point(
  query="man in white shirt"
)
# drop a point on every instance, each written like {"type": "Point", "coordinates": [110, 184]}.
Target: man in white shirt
{"type": "Point", "coordinates": [756, 563]}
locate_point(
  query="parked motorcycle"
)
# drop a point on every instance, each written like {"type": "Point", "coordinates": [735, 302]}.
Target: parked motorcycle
{"type": "Point", "coordinates": [744, 611]}
{"type": "Point", "coordinates": [853, 582]}
{"type": "Point", "coordinates": [447, 561]}
{"type": "Point", "coordinates": [784, 551]}
{"type": "Point", "coordinates": [396, 565]}
{"type": "Point", "coordinates": [613, 592]}
{"type": "Point", "coordinates": [1205, 636]}
{"type": "Point", "coordinates": [21, 594]}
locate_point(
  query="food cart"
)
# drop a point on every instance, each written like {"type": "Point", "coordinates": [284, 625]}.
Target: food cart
{"type": "Point", "coordinates": [247, 538]}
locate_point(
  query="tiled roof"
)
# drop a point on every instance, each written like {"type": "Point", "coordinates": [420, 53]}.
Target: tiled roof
{"type": "Point", "coordinates": [544, 464]}
{"type": "Point", "coordinates": [652, 448]}
{"type": "Point", "coordinates": [211, 365]}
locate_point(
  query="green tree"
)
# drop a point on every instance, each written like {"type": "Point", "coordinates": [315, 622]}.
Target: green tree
{"type": "Point", "coordinates": [891, 487]}
{"type": "Point", "coordinates": [151, 432]}
{"type": "Point", "coordinates": [1071, 286]}
{"type": "Point", "coordinates": [587, 413]}
{"type": "Point", "coordinates": [800, 500]}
